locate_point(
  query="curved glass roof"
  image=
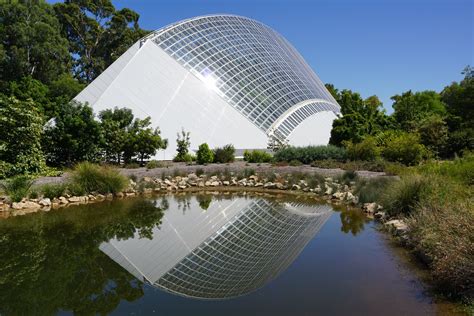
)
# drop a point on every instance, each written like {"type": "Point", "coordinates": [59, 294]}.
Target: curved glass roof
{"type": "Point", "coordinates": [249, 65]}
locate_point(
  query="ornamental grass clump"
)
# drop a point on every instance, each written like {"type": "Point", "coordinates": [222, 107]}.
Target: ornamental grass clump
{"type": "Point", "coordinates": [95, 178]}
{"type": "Point", "coordinates": [17, 188]}
{"type": "Point", "coordinates": [53, 190]}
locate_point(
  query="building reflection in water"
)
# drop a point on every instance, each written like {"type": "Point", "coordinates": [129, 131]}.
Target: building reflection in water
{"type": "Point", "coordinates": [232, 248]}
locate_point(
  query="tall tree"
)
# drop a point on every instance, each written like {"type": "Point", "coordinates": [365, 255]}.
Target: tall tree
{"type": "Point", "coordinates": [73, 135]}
{"type": "Point", "coordinates": [115, 124]}
{"type": "Point", "coordinates": [98, 33]}
{"type": "Point", "coordinates": [459, 100]}
{"type": "Point", "coordinates": [410, 108]}
{"type": "Point", "coordinates": [360, 117]}
{"type": "Point", "coordinates": [142, 140]}
{"type": "Point", "coordinates": [32, 44]}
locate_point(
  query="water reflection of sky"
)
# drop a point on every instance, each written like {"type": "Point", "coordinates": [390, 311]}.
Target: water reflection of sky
{"type": "Point", "coordinates": [222, 249]}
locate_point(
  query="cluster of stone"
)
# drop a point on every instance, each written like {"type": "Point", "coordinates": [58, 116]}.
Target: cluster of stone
{"type": "Point", "coordinates": [329, 189]}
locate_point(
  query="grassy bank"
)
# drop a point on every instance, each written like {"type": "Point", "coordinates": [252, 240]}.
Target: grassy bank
{"type": "Point", "coordinates": [436, 201]}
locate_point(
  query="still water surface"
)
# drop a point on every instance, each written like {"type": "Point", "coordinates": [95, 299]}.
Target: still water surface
{"type": "Point", "coordinates": [205, 255]}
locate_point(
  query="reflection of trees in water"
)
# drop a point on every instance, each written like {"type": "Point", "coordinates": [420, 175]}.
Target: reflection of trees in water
{"type": "Point", "coordinates": [353, 221]}
{"type": "Point", "coordinates": [51, 261]}
{"type": "Point", "coordinates": [204, 201]}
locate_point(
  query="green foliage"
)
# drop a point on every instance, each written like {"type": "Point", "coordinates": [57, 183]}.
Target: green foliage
{"type": "Point", "coordinates": [410, 108]}
{"type": "Point", "coordinates": [371, 189]}
{"type": "Point", "coordinates": [402, 197]}
{"type": "Point", "coordinates": [367, 150]}
{"type": "Point", "coordinates": [153, 164]}
{"type": "Point", "coordinates": [225, 154]}
{"type": "Point", "coordinates": [295, 163]}
{"type": "Point", "coordinates": [131, 165]}
{"type": "Point", "coordinates": [204, 154]}
{"type": "Point", "coordinates": [307, 155]}
{"type": "Point", "coordinates": [257, 156]}
{"type": "Point", "coordinates": [433, 133]}
{"type": "Point", "coordinates": [74, 136]}
{"type": "Point", "coordinates": [21, 129]}
{"type": "Point", "coordinates": [97, 33]}
{"type": "Point", "coordinates": [442, 234]}
{"type": "Point", "coordinates": [53, 190]}
{"type": "Point", "coordinates": [6, 169]}
{"type": "Point", "coordinates": [32, 43]}
{"type": "Point", "coordinates": [17, 188]}
{"type": "Point", "coordinates": [360, 117]}
{"type": "Point", "coordinates": [458, 98]}
{"type": "Point", "coordinates": [94, 178]}
{"type": "Point", "coordinates": [142, 140]}
{"type": "Point", "coordinates": [182, 146]}
{"type": "Point", "coordinates": [199, 171]}
{"type": "Point", "coordinates": [405, 149]}
{"type": "Point", "coordinates": [378, 165]}
{"type": "Point", "coordinates": [459, 169]}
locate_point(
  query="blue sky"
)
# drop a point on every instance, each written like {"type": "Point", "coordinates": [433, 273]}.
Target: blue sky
{"type": "Point", "coordinates": [381, 47]}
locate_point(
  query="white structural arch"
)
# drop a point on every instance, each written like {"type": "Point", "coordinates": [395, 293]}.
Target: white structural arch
{"type": "Point", "coordinates": [224, 78]}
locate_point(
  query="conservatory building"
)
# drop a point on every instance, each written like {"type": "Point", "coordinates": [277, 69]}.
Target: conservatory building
{"type": "Point", "coordinates": [226, 79]}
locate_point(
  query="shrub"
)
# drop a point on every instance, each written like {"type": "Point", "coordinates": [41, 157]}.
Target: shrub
{"type": "Point", "coordinates": [295, 163]}
{"type": "Point", "coordinates": [402, 197]}
{"type": "Point", "coordinates": [405, 149]}
{"type": "Point", "coordinates": [204, 155]}
{"type": "Point", "coordinates": [366, 150]}
{"type": "Point", "coordinates": [442, 235]}
{"type": "Point", "coordinates": [378, 165]}
{"type": "Point", "coordinates": [131, 165]}
{"type": "Point", "coordinates": [52, 191]}
{"type": "Point", "coordinates": [17, 188]}
{"type": "Point", "coordinates": [461, 169]}
{"type": "Point", "coordinates": [182, 147]}
{"type": "Point", "coordinates": [257, 156]}
{"type": "Point", "coordinates": [76, 189]}
{"type": "Point", "coordinates": [153, 164]}
{"type": "Point", "coordinates": [348, 176]}
{"type": "Point", "coordinates": [307, 155]}
{"type": "Point", "coordinates": [34, 194]}
{"type": "Point", "coordinates": [199, 172]}
{"type": "Point", "coordinates": [94, 178]}
{"type": "Point", "coordinates": [370, 190]}
{"type": "Point", "coordinates": [225, 154]}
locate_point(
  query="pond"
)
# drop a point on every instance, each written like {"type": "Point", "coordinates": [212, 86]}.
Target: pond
{"type": "Point", "coordinates": [205, 254]}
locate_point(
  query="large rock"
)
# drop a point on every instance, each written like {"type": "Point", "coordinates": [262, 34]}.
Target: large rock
{"type": "Point", "coordinates": [370, 207]}
{"type": "Point", "coordinates": [45, 202]}
{"type": "Point", "coordinates": [17, 205]}
{"type": "Point", "coordinates": [269, 185]}
{"type": "Point", "coordinates": [295, 187]}
{"type": "Point", "coordinates": [398, 226]}
{"type": "Point", "coordinates": [328, 190]}
{"type": "Point", "coordinates": [351, 198]}
{"type": "Point", "coordinates": [63, 200]}
{"type": "Point", "coordinates": [339, 195]}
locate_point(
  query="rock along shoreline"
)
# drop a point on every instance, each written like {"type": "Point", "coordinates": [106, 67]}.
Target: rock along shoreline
{"type": "Point", "coordinates": [331, 191]}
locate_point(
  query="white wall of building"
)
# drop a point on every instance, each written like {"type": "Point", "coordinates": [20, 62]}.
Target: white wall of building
{"type": "Point", "coordinates": [152, 83]}
{"type": "Point", "coordinates": [315, 130]}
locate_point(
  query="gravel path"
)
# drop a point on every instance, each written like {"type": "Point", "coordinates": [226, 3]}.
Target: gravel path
{"type": "Point", "coordinates": [173, 167]}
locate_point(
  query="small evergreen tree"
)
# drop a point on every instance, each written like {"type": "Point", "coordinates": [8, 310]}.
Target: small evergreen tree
{"type": "Point", "coordinates": [204, 154]}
